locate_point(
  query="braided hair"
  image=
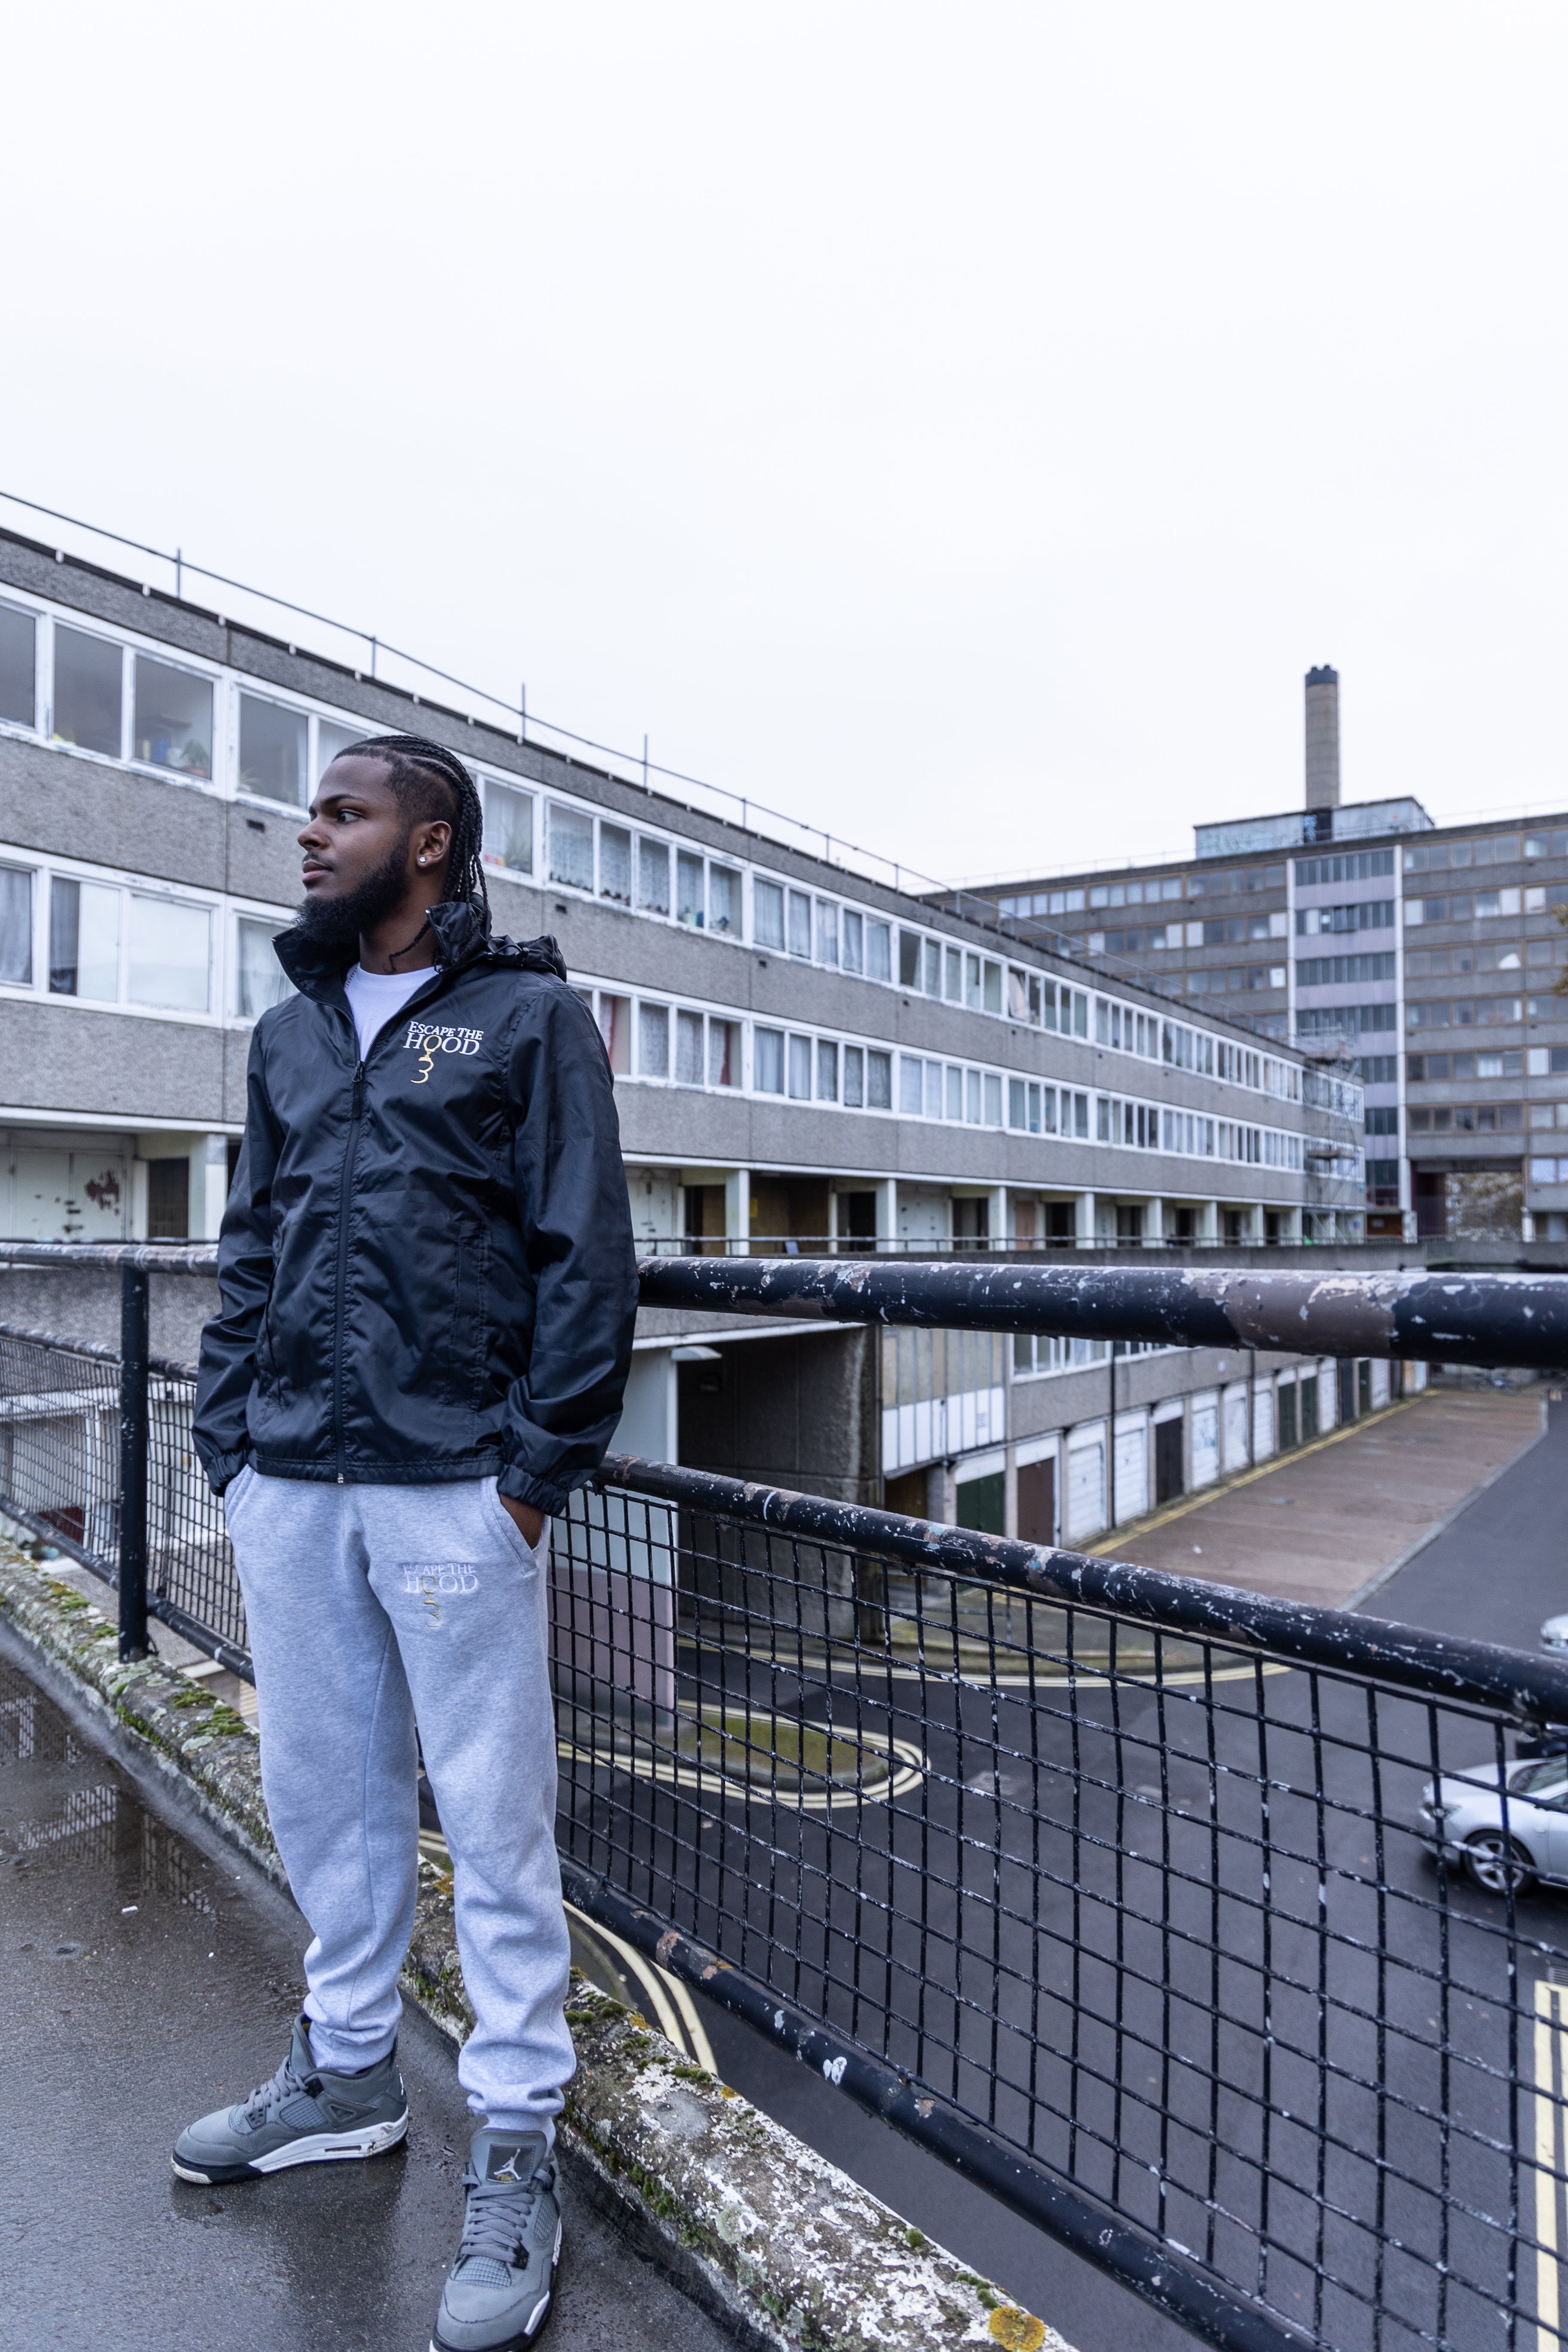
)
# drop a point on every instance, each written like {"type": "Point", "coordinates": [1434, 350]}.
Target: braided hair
{"type": "Point", "coordinates": [432, 782]}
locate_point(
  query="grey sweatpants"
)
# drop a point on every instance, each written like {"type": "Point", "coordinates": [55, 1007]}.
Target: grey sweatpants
{"type": "Point", "coordinates": [367, 1607]}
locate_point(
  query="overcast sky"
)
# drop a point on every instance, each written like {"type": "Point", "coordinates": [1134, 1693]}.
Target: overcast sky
{"type": "Point", "coordinates": [960, 427]}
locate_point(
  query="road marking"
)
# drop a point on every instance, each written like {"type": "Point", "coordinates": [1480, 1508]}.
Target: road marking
{"type": "Point", "coordinates": [807, 1663]}
{"type": "Point", "coordinates": [1551, 2081]}
{"type": "Point", "coordinates": [667, 1997]}
{"type": "Point", "coordinates": [903, 1770]}
{"type": "Point", "coordinates": [676, 2010]}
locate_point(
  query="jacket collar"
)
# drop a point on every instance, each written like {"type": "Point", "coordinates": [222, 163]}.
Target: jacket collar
{"type": "Point", "coordinates": [463, 937]}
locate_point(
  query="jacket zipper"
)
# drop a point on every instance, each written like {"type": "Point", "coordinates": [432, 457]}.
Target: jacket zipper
{"type": "Point", "coordinates": [351, 1149]}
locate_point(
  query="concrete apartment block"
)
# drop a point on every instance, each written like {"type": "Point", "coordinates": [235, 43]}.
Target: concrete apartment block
{"type": "Point", "coordinates": [805, 1056]}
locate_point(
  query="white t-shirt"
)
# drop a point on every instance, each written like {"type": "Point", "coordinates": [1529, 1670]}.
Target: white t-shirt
{"type": "Point", "coordinates": [377, 997]}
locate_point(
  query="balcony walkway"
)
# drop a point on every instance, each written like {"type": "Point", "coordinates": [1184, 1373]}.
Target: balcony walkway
{"type": "Point", "coordinates": [1330, 1522]}
{"type": "Point", "coordinates": [150, 1976]}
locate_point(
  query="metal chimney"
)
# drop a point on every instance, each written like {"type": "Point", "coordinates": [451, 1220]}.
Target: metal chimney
{"type": "Point", "coordinates": [1322, 738]}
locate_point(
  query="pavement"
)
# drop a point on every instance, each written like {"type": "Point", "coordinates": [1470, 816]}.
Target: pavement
{"type": "Point", "coordinates": [1359, 1501]}
{"type": "Point", "coordinates": [150, 1975]}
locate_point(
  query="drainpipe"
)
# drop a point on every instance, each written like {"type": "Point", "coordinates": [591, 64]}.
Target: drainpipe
{"type": "Point", "coordinates": [1110, 1441]}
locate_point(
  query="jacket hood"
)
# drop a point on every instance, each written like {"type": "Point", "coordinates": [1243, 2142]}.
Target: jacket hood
{"type": "Point", "coordinates": [463, 935]}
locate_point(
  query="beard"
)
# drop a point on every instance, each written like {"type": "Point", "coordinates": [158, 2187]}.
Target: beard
{"type": "Point", "coordinates": [337, 923]}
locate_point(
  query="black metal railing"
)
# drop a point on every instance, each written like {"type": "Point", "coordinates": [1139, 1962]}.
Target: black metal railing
{"type": "Point", "coordinates": [1206, 1930]}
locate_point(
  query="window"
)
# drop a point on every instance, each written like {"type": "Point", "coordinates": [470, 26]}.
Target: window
{"type": "Point", "coordinates": [1338, 971]}
{"type": "Point", "coordinates": [767, 921]}
{"type": "Point", "coordinates": [170, 954]}
{"type": "Point", "coordinates": [972, 1097]}
{"type": "Point", "coordinates": [932, 958]}
{"type": "Point", "coordinates": [260, 980]}
{"type": "Point", "coordinates": [688, 1049]}
{"type": "Point", "coordinates": [690, 904]}
{"type": "Point", "coordinates": [912, 1085]}
{"type": "Point", "coordinates": [174, 722]}
{"type": "Point", "coordinates": [571, 847]}
{"type": "Point", "coordinates": [799, 1069]}
{"type": "Point", "coordinates": [933, 1090]}
{"type": "Point", "coordinates": [15, 926]}
{"type": "Point", "coordinates": [274, 751]}
{"type": "Point", "coordinates": [18, 667]}
{"type": "Point", "coordinates": [879, 1080]}
{"type": "Point", "coordinates": [800, 924]}
{"type": "Point", "coordinates": [955, 1107]}
{"type": "Point", "coordinates": [653, 1041]}
{"type": "Point", "coordinates": [879, 952]}
{"type": "Point", "coordinates": [993, 1099]}
{"type": "Point", "coordinates": [723, 899]}
{"type": "Point", "coordinates": [992, 988]}
{"type": "Point", "coordinates": [854, 941]}
{"type": "Point", "coordinates": [909, 960]}
{"type": "Point", "coordinates": [615, 863]}
{"type": "Point", "coordinates": [724, 1052]}
{"type": "Point", "coordinates": [768, 1062]}
{"type": "Point", "coordinates": [89, 675]}
{"type": "Point", "coordinates": [652, 877]}
{"type": "Point", "coordinates": [1546, 845]}
{"type": "Point", "coordinates": [332, 740]}
{"type": "Point", "coordinates": [854, 1077]}
{"type": "Point", "coordinates": [84, 939]}
{"type": "Point", "coordinates": [827, 931]}
{"type": "Point", "coordinates": [1383, 1119]}
{"type": "Point", "coordinates": [826, 1071]}
{"type": "Point", "coordinates": [509, 827]}
{"type": "Point", "coordinates": [953, 985]}
{"type": "Point", "coordinates": [616, 1028]}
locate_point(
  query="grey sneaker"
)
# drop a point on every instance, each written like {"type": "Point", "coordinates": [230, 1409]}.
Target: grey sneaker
{"type": "Point", "coordinates": [498, 2293]}
{"type": "Point", "coordinates": [304, 2115]}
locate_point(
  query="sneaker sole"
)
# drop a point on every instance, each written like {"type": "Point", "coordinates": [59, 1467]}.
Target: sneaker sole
{"type": "Point", "coordinates": [530, 2335]}
{"type": "Point", "coordinates": [317, 2147]}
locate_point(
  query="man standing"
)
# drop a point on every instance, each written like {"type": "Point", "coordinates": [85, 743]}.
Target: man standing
{"type": "Point", "coordinates": [428, 1287]}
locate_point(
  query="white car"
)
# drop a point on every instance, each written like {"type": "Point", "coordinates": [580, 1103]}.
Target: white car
{"type": "Point", "coordinates": [1555, 1635]}
{"type": "Point", "coordinates": [1462, 1818]}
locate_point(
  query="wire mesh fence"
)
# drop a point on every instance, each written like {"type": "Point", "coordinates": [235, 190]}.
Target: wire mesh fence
{"type": "Point", "coordinates": [60, 1478]}
{"type": "Point", "coordinates": [1247, 1948]}
{"type": "Point", "coordinates": [1216, 1934]}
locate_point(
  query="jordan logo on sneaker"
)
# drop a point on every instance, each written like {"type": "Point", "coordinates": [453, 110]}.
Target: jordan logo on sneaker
{"type": "Point", "coordinates": [508, 2170]}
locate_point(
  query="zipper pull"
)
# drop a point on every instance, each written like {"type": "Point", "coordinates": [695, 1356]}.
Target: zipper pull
{"type": "Point", "coordinates": [356, 1108]}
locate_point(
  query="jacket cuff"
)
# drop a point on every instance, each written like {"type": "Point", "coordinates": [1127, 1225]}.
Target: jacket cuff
{"type": "Point", "coordinates": [221, 1468]}
{"type": "Point", "coordinates": [542, 1494]}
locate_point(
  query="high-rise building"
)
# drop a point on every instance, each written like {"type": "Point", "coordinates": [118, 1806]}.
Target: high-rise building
{"type": "Point", "coordinates": [1422, 960]}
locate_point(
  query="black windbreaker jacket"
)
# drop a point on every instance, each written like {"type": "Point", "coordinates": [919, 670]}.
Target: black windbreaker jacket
{"type": "Point", "coordinates": [426, 1266]}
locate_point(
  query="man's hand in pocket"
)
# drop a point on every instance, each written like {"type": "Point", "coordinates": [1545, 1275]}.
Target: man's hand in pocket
{"type": "Point", "coordinates": [528, 1523]}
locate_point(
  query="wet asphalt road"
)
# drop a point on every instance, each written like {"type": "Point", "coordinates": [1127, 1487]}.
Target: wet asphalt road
{"type": "Point", "coordinates": [148, 1977]}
